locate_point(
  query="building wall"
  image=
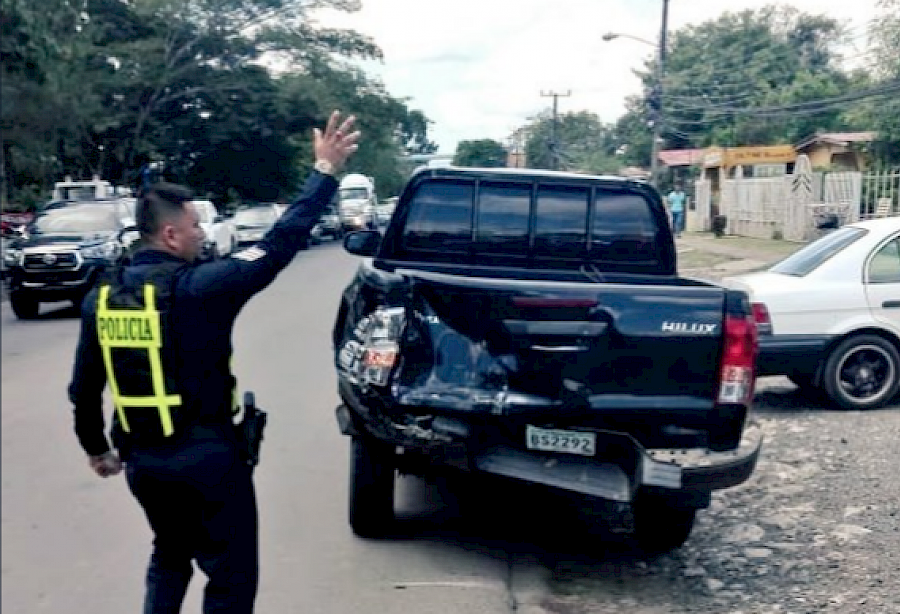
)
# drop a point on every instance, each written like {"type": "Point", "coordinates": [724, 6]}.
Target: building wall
{"type": "Point", "coordinates": [826, 155]}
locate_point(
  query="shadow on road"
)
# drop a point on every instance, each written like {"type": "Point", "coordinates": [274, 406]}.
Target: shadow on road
{"type": "Point", "coordinates": [507, 520]}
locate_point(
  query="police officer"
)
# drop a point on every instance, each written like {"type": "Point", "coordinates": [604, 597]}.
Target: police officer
{"type": "Point", "coordinates": [158, 332]}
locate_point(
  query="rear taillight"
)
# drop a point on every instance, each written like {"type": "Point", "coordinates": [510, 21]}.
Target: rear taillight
{"type": "Point", "coordinates": [373, 351]}
{"type": "Point", "coordinates": [737, 375]}
{"type": "Point", "coordinates": [761, 316]}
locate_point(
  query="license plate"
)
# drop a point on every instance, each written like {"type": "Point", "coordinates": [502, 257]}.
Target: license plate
{"type": "Point", "coordinates": [555, 440]}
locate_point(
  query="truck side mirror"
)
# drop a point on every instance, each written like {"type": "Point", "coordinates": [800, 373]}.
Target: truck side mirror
{"type": "Point", "coordinates": [362, 242]}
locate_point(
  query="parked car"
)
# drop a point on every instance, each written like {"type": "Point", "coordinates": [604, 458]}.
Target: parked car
{"type": "Point", "coordinates": [829, 314]}
{"type": "Point", "coordinates": [221, 234]}
{"type": "Point", "coordinates": [384, 211]}
{"type": "Point", "coordinates": [329, 225]}
{"type": "Point", "coordinates": [62, 254]}
{"type": "Point", "coordinates": [252, 223]}
{"type": "Point", "coordinates": [530, 324]}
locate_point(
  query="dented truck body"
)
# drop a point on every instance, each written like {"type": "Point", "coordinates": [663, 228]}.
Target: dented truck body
{"type": "Point", "coordinates": [608, 379]}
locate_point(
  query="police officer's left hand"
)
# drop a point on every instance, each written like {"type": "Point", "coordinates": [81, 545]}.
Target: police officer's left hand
{"type": "Point", "coordinates": [106, 464]}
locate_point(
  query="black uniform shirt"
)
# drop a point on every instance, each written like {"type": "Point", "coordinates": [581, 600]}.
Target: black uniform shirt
{"type": "Point", "coordinates": [207, 300]}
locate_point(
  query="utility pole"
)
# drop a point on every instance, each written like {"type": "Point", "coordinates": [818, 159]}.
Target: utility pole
{"type": "Point", "coordinates": [656, 98]}
{"type": "Point", "coordinates": [554, 144]}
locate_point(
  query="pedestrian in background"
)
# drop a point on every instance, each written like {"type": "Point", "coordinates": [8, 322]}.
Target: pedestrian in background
{"type": "Point", "coordinates": [158, 331]}
{"type": "Point", "coordinates": [676, 200]}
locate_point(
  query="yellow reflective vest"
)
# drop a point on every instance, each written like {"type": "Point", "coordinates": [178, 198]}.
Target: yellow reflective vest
{"type": "Point", "coordinates": [136, 345]}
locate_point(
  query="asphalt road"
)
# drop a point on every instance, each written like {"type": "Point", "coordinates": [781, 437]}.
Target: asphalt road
{"type": "Point", "coordinates": [72, 542]}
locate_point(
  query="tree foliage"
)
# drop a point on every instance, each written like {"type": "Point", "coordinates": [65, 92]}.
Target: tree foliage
{"type": "Point", "coordinates": [883, 115]}
{"type": "Point", "coordinates": [583, 143]}
{"type": "Point", "coordinates": [484, 153]}
{"type": "Point", "coordinates": [104, 86]}
{"type": "Point", "coordinates": [769, 76]}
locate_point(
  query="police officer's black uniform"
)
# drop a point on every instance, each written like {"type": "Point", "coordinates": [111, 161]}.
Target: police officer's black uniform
{"type": "Point", "coordinates": [195, 488]}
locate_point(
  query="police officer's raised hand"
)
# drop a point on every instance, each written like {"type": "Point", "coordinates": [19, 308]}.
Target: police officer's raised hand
{"type": "Point", "coordinates": [337, 142]}
{"type": "Point", "coordinates": [105, 465]}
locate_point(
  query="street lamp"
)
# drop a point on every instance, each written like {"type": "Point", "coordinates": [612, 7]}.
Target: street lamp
{"type": "Point", "coordinates": [656, 96]}
{"type": "Point", "coordinates": [614, 35]}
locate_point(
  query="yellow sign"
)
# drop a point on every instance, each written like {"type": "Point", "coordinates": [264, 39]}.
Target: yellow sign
{"type": "Point", "coordinates": [735, 156]}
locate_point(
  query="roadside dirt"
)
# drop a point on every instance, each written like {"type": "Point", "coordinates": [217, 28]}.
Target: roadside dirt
{"type": "Point", "coordinates": [816, 529]}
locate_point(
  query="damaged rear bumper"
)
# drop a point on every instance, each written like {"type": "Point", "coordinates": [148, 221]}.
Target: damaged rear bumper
{"type": "Point", "coordinates": [620, 477]}
{"type": "Point", "coordinates": [617, 472]}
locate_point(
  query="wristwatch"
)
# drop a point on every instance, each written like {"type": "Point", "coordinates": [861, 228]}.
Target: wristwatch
{"type": "Point", "coordinates": [325, 167]}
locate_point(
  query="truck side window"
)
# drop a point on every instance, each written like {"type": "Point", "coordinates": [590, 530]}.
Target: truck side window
{"type": "Point", "coordinates": [440, 217]}
{"type": "Point", "coordinates": [503, 211]}
{"type": "Point", "coordinates": [561, 222]}
{"type": "Point", "coordinates": [624, 229]}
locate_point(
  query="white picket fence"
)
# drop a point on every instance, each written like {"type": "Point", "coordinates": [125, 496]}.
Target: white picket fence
{"type": "Point", "coordinates": [880, 194]}
{"type": "Point", "coordinates": [795, 207]}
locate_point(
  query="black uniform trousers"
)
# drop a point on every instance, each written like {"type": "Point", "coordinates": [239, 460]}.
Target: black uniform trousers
{"type": "Point", "coordinates": [199, 499]}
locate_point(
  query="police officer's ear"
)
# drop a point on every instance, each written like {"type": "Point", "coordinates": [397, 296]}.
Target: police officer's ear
{"type": "Point", "coordinates": [169, 235]}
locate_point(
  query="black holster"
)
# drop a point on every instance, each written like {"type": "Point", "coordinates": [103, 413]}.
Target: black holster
{"type": "Point", "coordinates": [250, 430]}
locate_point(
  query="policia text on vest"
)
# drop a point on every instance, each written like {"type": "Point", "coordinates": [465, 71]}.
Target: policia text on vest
{"type": "Point", "coordinates": [125, 328]}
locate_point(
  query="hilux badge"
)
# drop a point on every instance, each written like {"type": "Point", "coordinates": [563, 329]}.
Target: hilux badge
{"type": "Point", "coordinates": [49, 259]}
{"type": "Point", "coordinates": [696, 328]}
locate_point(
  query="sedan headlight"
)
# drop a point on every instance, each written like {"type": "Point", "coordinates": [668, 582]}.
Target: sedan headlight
{"type": "Point", "coordinates": [109, 250]}
{"type": "Point", "coordinates": [13, 256]}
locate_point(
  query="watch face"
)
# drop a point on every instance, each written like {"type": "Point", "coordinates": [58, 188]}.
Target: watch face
{"type": "Point", "coordinates": [324, 166]}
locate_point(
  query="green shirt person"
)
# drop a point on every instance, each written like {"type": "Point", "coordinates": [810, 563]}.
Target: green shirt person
{"type": "Point", "coordinates": [676, 199]}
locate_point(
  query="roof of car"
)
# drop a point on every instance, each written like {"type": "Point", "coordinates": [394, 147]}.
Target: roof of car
{"type": "Point", "coordinates": [879, 225]}
{"type": "Point", "coordinates": [517, 172]}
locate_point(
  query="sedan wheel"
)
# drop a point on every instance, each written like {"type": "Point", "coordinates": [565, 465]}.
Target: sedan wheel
{"type": "Point", "coordinates": [862, 372]}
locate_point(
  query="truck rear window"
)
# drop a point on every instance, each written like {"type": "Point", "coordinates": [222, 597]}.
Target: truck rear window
{"type": "Point", "coordinates": [440, 220]}
{"type": "Point", "coordinates": [561, 222]}
{"type": "Point", "coordinates": [624, 229]}
{"type": "Point", "coordinates": [503, 212]}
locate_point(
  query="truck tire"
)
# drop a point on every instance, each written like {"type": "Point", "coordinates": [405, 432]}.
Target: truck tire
{"type": "Point", "coordinates": [372, 474]}
{"type": "Point", "coordinates": [24, 306]}
{"type": "Point", "coordinates": [862, 372]}
{"type": "Point", "coordinates": [659, 526]}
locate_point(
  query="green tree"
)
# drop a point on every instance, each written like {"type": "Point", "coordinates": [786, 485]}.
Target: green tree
{"type": "Point", "coordinates": [484, 153]}
{"type": "Point", "coordinates": [103, 86]}
{"type": "Point", "coordinates": [883, 114]}
{"type": "Point", "coordinates": [584, 143]}
{"type": "Point", "coordinates": [746, 78]}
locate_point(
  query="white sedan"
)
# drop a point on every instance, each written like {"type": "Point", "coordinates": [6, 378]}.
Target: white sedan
{"type": "Point", "coordinates": [829, 314]}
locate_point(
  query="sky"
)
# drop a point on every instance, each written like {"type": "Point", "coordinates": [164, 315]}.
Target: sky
{"type": "Point", "coordinates": [478, 68]}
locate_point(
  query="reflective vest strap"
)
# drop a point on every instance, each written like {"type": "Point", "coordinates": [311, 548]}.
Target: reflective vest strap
{"type": "Point", "coordinates": [102, 307]}
{"type": "Point", "coordinates": [150, 316]}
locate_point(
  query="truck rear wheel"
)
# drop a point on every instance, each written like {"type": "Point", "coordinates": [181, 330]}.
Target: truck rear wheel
{"type": "Point", "coordinates": [372, 477]}
{"type": "Point", "coordinates": [659, 527]}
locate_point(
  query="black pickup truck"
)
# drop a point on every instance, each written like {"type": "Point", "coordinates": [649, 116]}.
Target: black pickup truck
{"type": "Point", "coordinates": [531, 324]}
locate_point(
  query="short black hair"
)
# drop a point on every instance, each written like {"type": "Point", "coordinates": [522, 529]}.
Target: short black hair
{"type": "Point", "coordinates": [158, 203]}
